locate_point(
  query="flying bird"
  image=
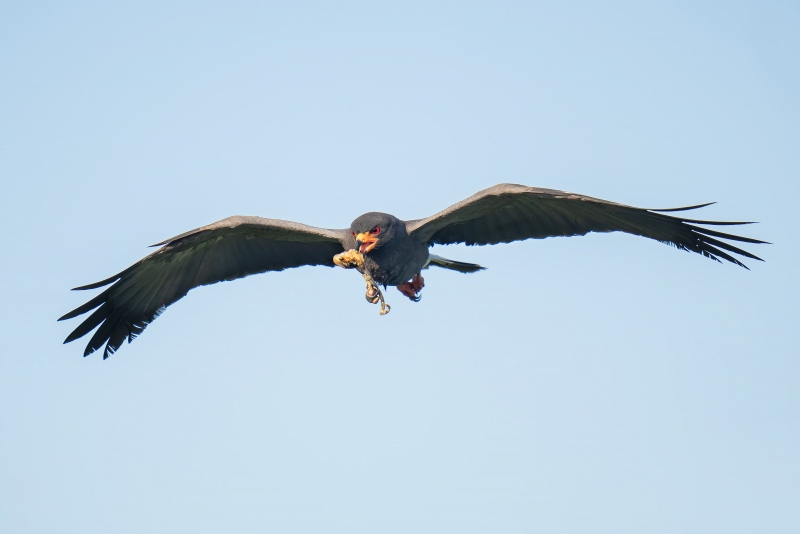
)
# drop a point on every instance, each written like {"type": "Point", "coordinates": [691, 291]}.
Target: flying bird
{"type": "Point", "coordinates": [387, 251]}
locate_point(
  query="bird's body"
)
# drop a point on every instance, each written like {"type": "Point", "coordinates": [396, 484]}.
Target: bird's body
{"type": "Point", "coordinates": [395, 265]}
{"type": "Point", "coordinates": [387, 250]}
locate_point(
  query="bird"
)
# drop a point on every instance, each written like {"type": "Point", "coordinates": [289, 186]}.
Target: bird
{"type": "Point", "coordinates": [387, 251]}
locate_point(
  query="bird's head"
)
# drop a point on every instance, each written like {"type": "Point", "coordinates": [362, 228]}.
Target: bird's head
{"type": "Point", "coordinates": [373, 230]}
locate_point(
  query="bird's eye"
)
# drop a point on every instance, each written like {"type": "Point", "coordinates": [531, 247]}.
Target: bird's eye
{"type": "Point", "coordinates": [354, 234]}
{"type": "Point", "coordinates": [375, 231]}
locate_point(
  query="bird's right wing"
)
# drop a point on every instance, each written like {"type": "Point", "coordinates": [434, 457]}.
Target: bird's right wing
{"type": "Point", "coordinates": [226, 250]}
{"type": "Point", "coordinates": [509, 212]}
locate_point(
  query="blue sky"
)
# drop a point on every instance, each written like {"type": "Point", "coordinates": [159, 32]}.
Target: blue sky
{"type": "Point", "coordinates": [598, 384]}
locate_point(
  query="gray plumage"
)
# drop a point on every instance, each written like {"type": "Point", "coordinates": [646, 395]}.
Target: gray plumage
{"type": "Point", "coordinates": [397, 257]}
{"type": "Point", "coordinates": [240, 246]}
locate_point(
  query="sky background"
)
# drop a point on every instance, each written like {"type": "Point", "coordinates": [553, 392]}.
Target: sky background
{"type": "Point", "coordinates": [606, 383]}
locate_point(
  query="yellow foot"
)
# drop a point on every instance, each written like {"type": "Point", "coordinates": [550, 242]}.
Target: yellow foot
{"type": "Point", "coordinates": [349, 259]}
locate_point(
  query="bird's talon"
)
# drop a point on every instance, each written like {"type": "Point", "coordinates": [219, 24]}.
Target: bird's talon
{"type": "Point", "coordinates": [412, 289]}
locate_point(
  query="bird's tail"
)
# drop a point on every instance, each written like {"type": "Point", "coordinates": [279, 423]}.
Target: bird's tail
{"type": "Point", "coordinates": [453, 265]}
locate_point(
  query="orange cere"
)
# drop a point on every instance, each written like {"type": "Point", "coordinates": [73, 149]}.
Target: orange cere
{"type": "Point", "coordinates": [368, 242]}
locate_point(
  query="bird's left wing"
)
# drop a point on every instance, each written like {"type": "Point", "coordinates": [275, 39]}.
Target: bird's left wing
{"type": "Point", "coordinates": [509, 212]}
{"type": "Point", "coordinates": [226, 250]}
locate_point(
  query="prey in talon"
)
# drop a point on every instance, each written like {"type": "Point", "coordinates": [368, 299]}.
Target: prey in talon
{"type": "Point", "coordinates": [353, 259]}
{"type": "Point", "coordinates": [373, 293]}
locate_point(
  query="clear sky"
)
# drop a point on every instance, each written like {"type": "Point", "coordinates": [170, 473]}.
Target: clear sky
{"type": "Point", "coordinates": [606, 383]}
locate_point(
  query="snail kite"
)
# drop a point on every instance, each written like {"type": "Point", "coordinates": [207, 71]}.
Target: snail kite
{"type": "Point", "coordinates": [387, 251]}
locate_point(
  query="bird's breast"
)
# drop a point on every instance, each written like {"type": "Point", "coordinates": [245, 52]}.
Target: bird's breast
{"type": "Point", "coordinates": [396, 266]}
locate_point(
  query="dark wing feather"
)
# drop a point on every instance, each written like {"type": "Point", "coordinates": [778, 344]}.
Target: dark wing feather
{"type": "Point", "coordinates": [226, 250]}
{"type": "Point", "coordinates": [509, 212]}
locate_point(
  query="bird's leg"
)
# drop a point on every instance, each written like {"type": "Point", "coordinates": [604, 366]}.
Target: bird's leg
{"type": "Point", "coordinates": [412, 288]}
{"type": "Point", "coordinates": [374, 294]}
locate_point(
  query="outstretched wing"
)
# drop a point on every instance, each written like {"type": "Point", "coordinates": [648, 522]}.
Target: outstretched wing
{"type": "Point", "coordinates": [509, 212]}
{"type": "Point", "coordinates": [225, 250]}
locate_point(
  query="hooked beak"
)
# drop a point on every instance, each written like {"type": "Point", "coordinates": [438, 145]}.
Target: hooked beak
{"type": "Point", "coordinates": [366, 242]}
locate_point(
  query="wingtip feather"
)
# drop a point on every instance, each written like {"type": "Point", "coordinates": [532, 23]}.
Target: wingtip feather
{"type": "Point", "coordinates": [685, 208]}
